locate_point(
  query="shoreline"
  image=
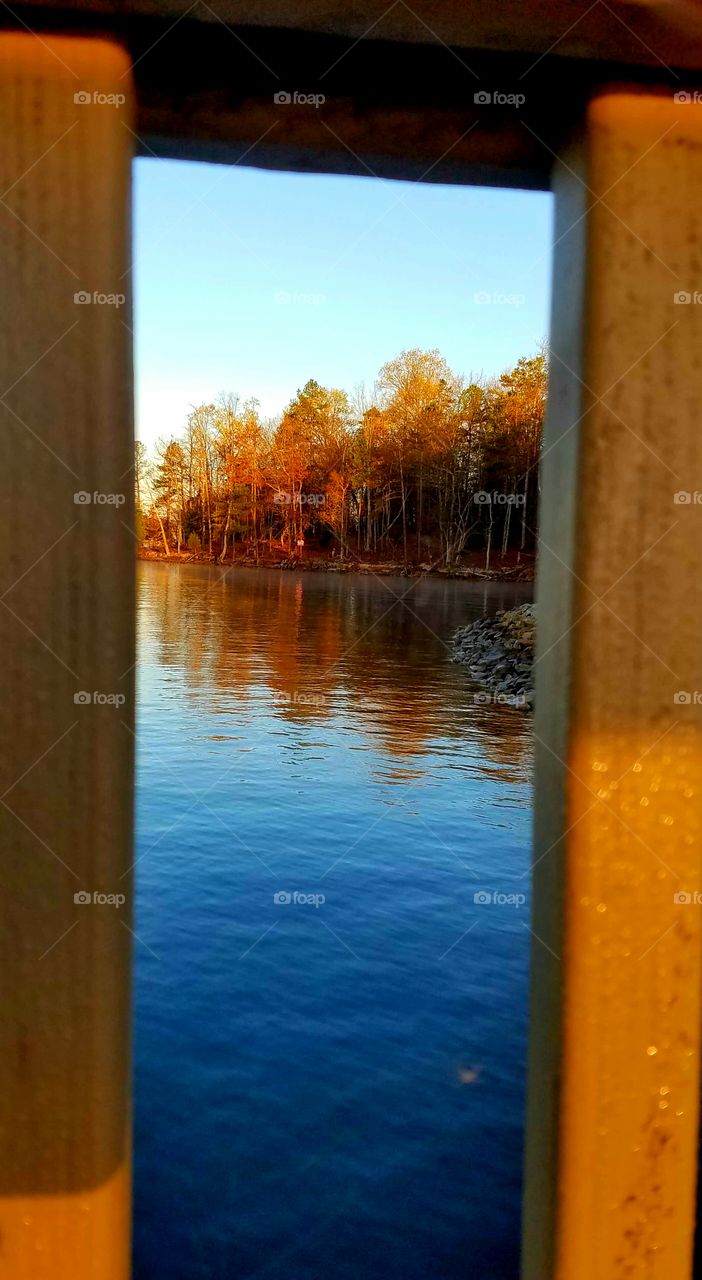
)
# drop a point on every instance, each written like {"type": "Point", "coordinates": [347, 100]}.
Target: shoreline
{"type": "Point", "coordinates": [523, 572]}
{"type": "Point", "coordinates": [499, 654]}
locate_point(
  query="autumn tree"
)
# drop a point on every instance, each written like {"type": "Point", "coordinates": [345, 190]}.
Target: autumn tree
{"type": "Point", "coordinates": [419, 397]}
{"type": "Point", "coordinates": [426, 462]}
{"type": "Point", "coordinates": [169, 484]}
{"type": "Point", "coordinates": [311, 442]}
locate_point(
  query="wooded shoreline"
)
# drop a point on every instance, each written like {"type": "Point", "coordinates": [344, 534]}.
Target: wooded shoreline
{"type": "Point", "coordinates": [511, 572]}
{"type": "Point", "coordinates": [427, 469]}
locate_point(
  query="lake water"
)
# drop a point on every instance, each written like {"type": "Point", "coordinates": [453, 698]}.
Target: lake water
{"type": "Point", "coordinates": [329, 1083]}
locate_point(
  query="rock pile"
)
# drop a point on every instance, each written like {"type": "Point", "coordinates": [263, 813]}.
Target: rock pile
{"type": "Point", "coordinates": [499, 653]}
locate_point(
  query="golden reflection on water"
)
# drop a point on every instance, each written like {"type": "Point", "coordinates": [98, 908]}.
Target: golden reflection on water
{"type": "Point", "coordinates": [366, 654]}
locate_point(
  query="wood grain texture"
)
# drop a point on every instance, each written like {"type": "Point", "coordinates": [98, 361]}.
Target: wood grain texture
{"type": "Point", "coordinates": [614, 1071]}
{"type": "Point", "coordinates": [66, 627]}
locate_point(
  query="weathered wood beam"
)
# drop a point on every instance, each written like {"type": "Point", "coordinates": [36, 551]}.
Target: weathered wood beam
{"type": "Point", "coordinates": [399, 93]}
{"type": "Point", "coordinates": [615, 1011]}
{"type": "Point", "coordinates": [66, 628]}
{"type": "Point", "coordinates": [644, 33]}
{"type": "Point", "coordinates": [407, 112]}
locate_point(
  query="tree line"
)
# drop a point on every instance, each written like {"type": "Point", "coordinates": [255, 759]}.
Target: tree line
{"type": "Point", "coordinates": [425, 467]}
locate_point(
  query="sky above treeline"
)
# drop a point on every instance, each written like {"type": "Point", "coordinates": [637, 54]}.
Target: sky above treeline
{"type": "Point", "coordinates": [253, 282]}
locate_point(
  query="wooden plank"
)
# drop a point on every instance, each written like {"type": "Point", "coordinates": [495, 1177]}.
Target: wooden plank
{"type": "Point", "coordinates": [392, 111]}
{"type": "Point", "coordinates": [399, 82]}
{"type": "Point", "coordinates": [646, 33]}
{"type": "Point", "coordinates": [615, 1010]}
{"type": "Point", "coordinates": [66, 626]}
{"type": "Point", "coordinates": [395, 110]}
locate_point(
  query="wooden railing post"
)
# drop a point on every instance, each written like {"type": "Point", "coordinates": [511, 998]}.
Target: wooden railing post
{"type": "Point", "coordinates": [66, 629]}
{"type": "Point", "coordinates": [616, 996]}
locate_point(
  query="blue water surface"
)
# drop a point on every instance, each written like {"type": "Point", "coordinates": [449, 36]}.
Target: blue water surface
{"type": "Point", "coordinates": [330, 1029]}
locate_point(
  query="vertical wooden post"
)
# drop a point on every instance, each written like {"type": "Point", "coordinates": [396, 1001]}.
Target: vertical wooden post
{"type": "Point", "coordinates": [66, 628]}
{"type": "Point", "coordinates": [616, 996]}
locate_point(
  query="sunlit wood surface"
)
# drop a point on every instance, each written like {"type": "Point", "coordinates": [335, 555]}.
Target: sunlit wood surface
{"type": "Point", "coordinates": [399, 79]}
{"type": "Point", "coordinates": [616, 958]}
{"type": "Point", "coordinates": [616, 951]}
{"type": "Point", "coordinates": [66, 626]}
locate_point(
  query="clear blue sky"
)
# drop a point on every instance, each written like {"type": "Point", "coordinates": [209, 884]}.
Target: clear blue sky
{"type": "Point", "coordinates": [370, 268]}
